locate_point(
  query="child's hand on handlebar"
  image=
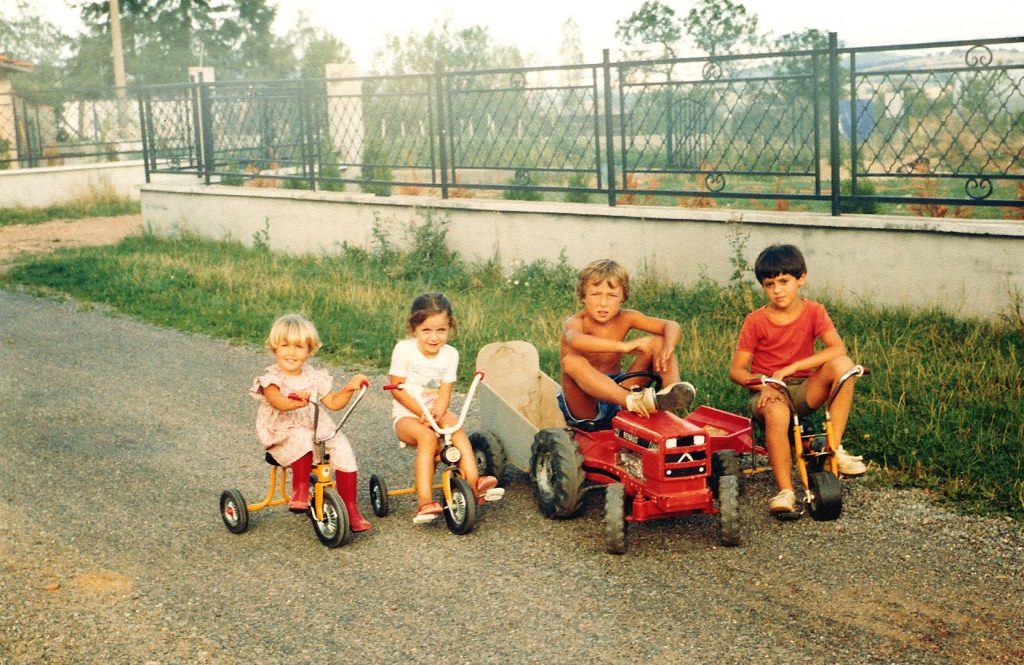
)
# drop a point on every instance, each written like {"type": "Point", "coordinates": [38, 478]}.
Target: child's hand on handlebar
{"type": "Point", "coordinates": [357, 382]}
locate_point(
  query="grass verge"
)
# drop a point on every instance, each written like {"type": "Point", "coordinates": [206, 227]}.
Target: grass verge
{"type": "Point", "coordinates": [92, 205]}
{"type": "Point", "coordinates": [943, 409]}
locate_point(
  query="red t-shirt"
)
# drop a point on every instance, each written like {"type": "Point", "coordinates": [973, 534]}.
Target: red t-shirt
{"type": "Point", "coordinates": [775, 346]}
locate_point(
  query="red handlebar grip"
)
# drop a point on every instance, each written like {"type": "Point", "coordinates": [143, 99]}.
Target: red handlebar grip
{"type": "Point", "coordinates": [480, 374]}
{"type": "Point", "coordinates": [391, 386]}
{"type": "Point", "coordinates": [364, 384]}
{"type": "Point", "coordinates": [750, 383]}
{"type": "Point", "coordinates": [865, 371]}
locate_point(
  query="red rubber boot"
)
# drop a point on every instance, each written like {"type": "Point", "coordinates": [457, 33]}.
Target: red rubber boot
{"type": "Point", "coordinates": [346, 481]}
{"type": "Point", "coordinates": [300, 483]}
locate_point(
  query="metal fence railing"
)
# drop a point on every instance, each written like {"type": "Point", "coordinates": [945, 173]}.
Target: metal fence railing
{"type": "Point", "coordinates": [56, 127]}
{"type": "Point", "coordinates": [922, 127]}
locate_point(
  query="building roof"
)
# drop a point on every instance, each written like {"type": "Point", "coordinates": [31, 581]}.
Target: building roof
{"type": "Point", "coordinates": [14, 65]}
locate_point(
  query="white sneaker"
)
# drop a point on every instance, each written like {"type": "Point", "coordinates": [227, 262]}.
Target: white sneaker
{"type": "Point", "coordinates": [642, 402]}
{"type": "Point", "coordinates": [783, 502]}
{"type": "Point", "coordinates": [850, 465]}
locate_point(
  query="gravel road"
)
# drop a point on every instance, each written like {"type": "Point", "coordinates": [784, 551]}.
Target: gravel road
{"type": "Point", "coordinates": [118, 438]}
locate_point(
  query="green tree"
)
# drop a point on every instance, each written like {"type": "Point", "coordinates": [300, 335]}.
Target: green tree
{"type": "Point", "coordinates": [162, 38]}
{"type": "Point", "coordinates": [316, 48]}
{"type": "Point", "coordinates": [719, 26]}
{"type": "Point", "coordinates": [33, 39]}
{"type": "Point", "coordinates": [466, 49]}
{"type": "Point", "coordinates": [654, 24]}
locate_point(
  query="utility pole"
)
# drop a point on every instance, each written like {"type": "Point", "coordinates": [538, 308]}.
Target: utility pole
{"type": "Point", "coordinates": [117, 49]}
{"type": "Point", "coordinates": [119, 78]}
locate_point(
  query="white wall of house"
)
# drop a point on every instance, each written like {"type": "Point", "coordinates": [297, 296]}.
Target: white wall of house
{"type": "Point", "coordinates": [964, 267]}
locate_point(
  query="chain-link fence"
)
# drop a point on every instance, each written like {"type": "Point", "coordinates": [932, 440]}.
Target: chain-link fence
{"type": "Point", "coordinates": [57, 127]}
{"type": "Point", "coordinates": [930, 128]}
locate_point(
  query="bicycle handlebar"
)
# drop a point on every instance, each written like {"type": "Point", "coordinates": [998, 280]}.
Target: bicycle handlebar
{"type": "Point", "coordinates": [856, 370]}
{"type": "Point", "coordinates": [443, 431]}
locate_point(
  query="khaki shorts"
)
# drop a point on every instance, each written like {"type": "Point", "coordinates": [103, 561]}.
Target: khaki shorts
{"type": "Point", "coordinates": [797, 389]}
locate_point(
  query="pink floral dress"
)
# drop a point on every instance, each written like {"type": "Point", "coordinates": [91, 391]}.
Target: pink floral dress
{"type": "Point", "coordinates": [288, 435]}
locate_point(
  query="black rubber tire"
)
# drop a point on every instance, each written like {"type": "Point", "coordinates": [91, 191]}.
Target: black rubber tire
{"type": "Point", "coordinates": [460, 515]}
{"type": "Point", "coordinates": [729, 510]}
{"type": "Point", "coordinates": [723, 463]}
{"type": "Point", "coordinates": [556, 469]}
{"type": "Point", "coordinates": [489, 454]}
{"type": "Point", "coordinates": [234, 511]}
{"type": "Point", "coordinates": [379, 496]}
{"type": "Point", "coordinates": [334, 530]}
{"type": "Point", "coordinates": [616, 529]}
{"type": "Point", "coordinates": [826, 496]}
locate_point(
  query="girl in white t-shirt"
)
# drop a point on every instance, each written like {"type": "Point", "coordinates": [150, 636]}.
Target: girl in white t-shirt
{"type": "Point", "coordinates": [427, 365]}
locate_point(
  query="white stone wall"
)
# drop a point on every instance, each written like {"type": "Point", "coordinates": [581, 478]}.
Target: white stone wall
{"type": "Point", "coordinates": [961, 266]}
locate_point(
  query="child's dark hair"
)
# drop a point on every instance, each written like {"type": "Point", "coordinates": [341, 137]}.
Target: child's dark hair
{"type": "Point", "coordinates": [779, 260]}
{"type": "Point", "coordinates": [426, 305]}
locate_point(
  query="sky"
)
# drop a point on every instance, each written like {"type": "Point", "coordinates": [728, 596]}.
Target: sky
{"type": "Point", "coordinates": [535, 26]}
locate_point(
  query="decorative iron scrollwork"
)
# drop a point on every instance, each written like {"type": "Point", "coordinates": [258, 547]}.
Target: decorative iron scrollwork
{"type": "Point", "coordinates": [522, 177]}
{"type": "Point", "coordinates": [714, 181]}
{"type": "Point", "coordinates": [978, 56]}
{"type": "Point", "coordinates": [712, 71]}
{"type": "Point", "coordinates": [978, 188]}
{"type": "Point", "coordinates": [517, 80]}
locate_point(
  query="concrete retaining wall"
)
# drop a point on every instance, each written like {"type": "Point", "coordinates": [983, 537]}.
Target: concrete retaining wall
{"type": "Point", "coordinates": [964, 267]}
{"type": "Point", "coordinates": [54, 185]}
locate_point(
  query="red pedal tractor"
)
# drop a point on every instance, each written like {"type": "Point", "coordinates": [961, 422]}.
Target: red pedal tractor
{"type": "Point", "coordinates": [649, 468]}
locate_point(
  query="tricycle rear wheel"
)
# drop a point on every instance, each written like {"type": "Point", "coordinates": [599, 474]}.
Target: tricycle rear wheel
{"type": "Point", "coordinates": [556, 469]}
{"type": "Point", "coordinates": [379, 496]}
{"type": "Point", "coordinates": [234, 511]}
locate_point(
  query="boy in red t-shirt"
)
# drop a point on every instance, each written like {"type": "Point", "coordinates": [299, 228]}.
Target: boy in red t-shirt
{"type": "Point", "coordinates": [778, 340]}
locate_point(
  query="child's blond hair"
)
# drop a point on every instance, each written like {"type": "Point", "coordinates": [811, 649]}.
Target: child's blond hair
{"type": "Point", "coordinates": [603, 270]}
{"type": "Point", "coordinates": [294, 329]}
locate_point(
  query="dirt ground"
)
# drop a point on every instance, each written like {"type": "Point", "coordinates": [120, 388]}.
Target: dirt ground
{"type": "Point", "coordinates": [112, 549]}
{"type": "Point", "coordinates": [33, 238]}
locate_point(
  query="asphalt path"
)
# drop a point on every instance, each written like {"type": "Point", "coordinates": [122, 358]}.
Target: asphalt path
{"type": "Point", "coordinates": [118, 437]}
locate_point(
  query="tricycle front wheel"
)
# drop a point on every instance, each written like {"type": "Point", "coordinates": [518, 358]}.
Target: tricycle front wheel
{"type": "Point", "coordinates": [333, 529]}
{"type": "Point", "coordinates": [460, 514]}
{"type": "Point", "coordinates": [826, 496]}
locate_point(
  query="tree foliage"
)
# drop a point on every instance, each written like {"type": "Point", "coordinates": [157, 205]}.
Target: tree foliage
{"type": "Point", "coordinates": [465, 49]}
{"type": "Point", "coordinates": [33, 39]}
{"type": "Point", "coordinates": [719, 26]}
{"type": "Point", "coordinates": [655, 23]}
{"type": "Point", "coordinates": [163, 38]}
{"type": "Point", "coordinates": [316, 48]}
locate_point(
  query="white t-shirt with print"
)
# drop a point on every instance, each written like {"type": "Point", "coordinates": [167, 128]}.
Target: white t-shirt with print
{"type": "Point", "coordinates": [423, 376]}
